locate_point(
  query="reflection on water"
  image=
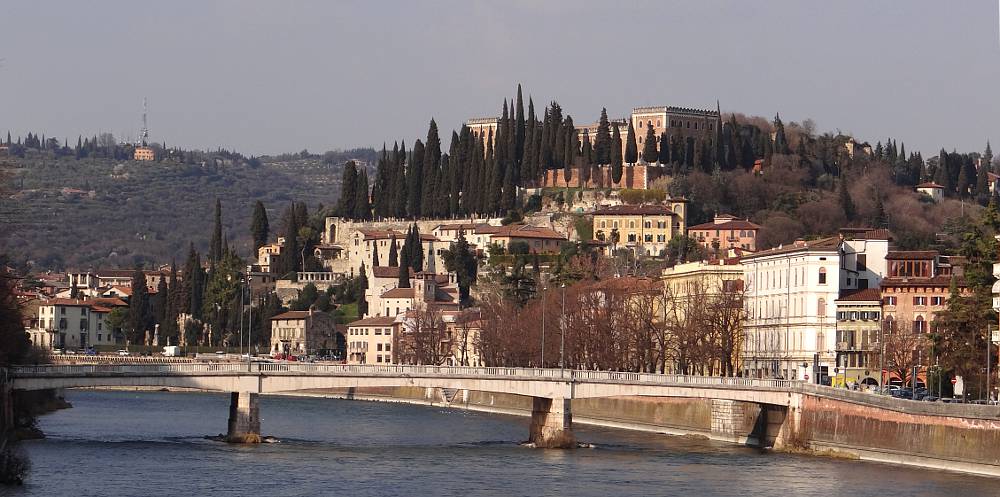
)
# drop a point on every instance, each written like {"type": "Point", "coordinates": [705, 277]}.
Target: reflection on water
{"type": "Point", "coordinates": [152, 443]}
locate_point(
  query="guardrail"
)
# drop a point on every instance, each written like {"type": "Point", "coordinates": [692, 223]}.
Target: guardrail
{"type": "Point", "coordinates": [396, 370]}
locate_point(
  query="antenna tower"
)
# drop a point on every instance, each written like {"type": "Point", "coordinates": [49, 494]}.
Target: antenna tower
{"type": "Point", "coordinates": [145, 130]}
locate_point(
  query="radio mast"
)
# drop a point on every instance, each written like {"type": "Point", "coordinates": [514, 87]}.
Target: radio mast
{"type": "Point", "coordinates": [144, 133]}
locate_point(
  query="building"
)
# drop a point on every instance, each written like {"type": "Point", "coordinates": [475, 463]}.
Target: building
{"type": "Point", "coordinates": [917, 286]}
{"type": "Point", "coordinates": [267, 254]}
{"type": "Point", "coordinates": [304, 333]}
{"type": "Point", "coordinates": [483, 128]}
{"type": "Point", "coordinates": [724, 232]}
{"type": "Point", "coordinates": [538, 240]}
{"type": "Point", "coordinates": [72, 324]}
{"type": "Point", "coordinates": [372, 340]}
{"type": "Point", "coordinates": [853, 147]}
{"type": "Point", "coordinates": [144, 153]}
{"type": "Point", "coordinates": [634, 176]}
{"type": "Point", "coordinates": [426, 289]}
{"type": "Point", "coordinates": [643, 229]}
{"type": "Point", "coordinates": [859, 328]}
{"type": "Point", "coordinates": [932, 190]}
{"type": "Point", "coordinates": [367, 243]}
{"type": "Point", "coordinates": [791, 294]}
{"type": "Point", "coordinates": [681, 122]}
{"type": "Point", "coordinates": [717, 284]}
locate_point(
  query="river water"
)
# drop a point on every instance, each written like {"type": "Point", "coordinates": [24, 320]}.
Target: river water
{"type": "Point", "coordinates": [152, 443]}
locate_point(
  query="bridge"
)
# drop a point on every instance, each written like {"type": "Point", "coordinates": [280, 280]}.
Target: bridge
{"type": "Point", "coordinates": [551, 390]}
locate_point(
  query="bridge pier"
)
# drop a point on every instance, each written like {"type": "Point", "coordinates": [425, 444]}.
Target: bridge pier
{"type": "Point", "coordinates": [244, 418]}
{"type": "Point", "coordinates": [551, 423]}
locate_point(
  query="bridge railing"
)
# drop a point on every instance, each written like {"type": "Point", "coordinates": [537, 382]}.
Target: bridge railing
{"type": "Point", "coordinates": [395, 370]}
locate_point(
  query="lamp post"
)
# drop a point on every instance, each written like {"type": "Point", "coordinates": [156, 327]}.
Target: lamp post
{"type": "Point", "coordinates": [250, 315]}
{"type": "Point", "coordinates": [541, 360]}
{"type": "Point", "coordinates": [562, 335]}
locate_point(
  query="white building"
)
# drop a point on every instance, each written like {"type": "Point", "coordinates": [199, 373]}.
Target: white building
{"type": "Point", "coordinates": [791, 292]}
{"type": "Point", "coordinates": [71, 324]}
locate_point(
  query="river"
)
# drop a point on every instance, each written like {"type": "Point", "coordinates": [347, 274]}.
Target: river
{"type": "Point", "coordinates": [152, 443]}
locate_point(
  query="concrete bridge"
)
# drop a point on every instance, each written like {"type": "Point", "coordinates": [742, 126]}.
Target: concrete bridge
{"type": "Point", "coordinates": [551, 390]}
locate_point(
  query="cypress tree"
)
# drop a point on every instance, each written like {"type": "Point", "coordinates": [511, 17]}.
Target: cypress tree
{"type": "Point", "coordinates": [559, 144]}
{"type": "Point", "coordinates": [393, 252]}
{"type": "Point", "coordinates": [780, 142]}
{"type": "Point", "coordinates": [414, 180]}
{"type": "Point", "coordinates": [416, 251]}
{"type": "Point", "coordinates": [616, 156]}
{"type": "Point", "coordinates": [215, 252]}
{"type": "Point", "coordinates": [602, 142]}
{"type": "Point", "coordinates": [348, 191]}
{"type": "Point", "coordinates": [845, 200]}
{"type": "Point", "coordinates": [649, 152]}
{"type": "Point", "coordinates": [987, 156]}
{"type": "Point", "coordinates": [586, 159]}
{"type": "Point", "coordinates": [631, 149]}
{"type": "Point", "coordinates": [403, 280]}
{"type": "Point", "coordinates": [964, 179]}
{"type": "Point", "coordinates": [983, 183]}
{"type": "Point", "coordinates": [572, 148]}
{"type": "Point", "coordinates": [528, 155]}
{"type": "Point", "coordinates": [519, 129]}
{"type": "Point", "coordinates": [362, 287]}
{"type": "Point", "coordinates": [375, 257]}
{"type": "Point", "coordinates": [169, 324]}
{"type": "Point", "coordinates": [400, 195]}
{"type": "Point", "coordinates": [431, 163]}
{"type": "Point", "coordinates": [138, 308]}
{"type": "Point", "coordinates": [664, 156]}
{"type": "Point", "coordinates": [259, 227]}
{"type": "Point", "coordinates": [362, 206]}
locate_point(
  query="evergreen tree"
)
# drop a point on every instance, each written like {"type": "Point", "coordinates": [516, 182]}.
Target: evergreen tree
{"type": "Point", "coordinates": [983, 183]}
{"type": "Point", "coordinates": [616, 156]}
{"type": "Point", "coordinates": [780, 142]}
{"type": "Point", "coordinates": [289, 260]}
{"type": "Point", "coordinates": [138, 308]}
{"type": "Point", "coordinates": [348, 191]}
{"type": "Point", "coordinates": [168, 328]}
{"type": "Point", "coordinates": [987, 156]}
{"type": "Point", "coordinates": [432, 159]}
{"type": "Point", "coordinates": [414, 180]}
{"type": "Point", "coordinates": [215, 252]}
{"type": "Point", "coordinates": [403, 280]}
{"type": "Point", "coordinates": [460, 260]}
{"type": "Point", "coordinates": [158, 303]}
{"type": "Point", "coordinates": [401, 175]}
{"type": "Point", "coordinates": [375, 257]}
{"type": "Point", "coordinates": [258, 226]}
{"type": "Point", "coordinates": [649, 152]}
{"type": "Point", "coordinates": [519, 129]}
{"type": "Point", "coordinates": [964, 178]}
{"type": "Point", "coordinates": [586, 160]}
{"type": "Point", "coordinates": [602, 142]}
{"type": "Point", "coordinates": [393, 252]}
{"type": "Point", "coordinates": [631, 149]}
{"type": "Point", "coordinates": [664, 155]}
{"type": "Point", "coordinates": [362, 287]}
{"type": "Point", "coordinates": [845, 200]}
{"type": "Point", "coordinates": [571, 148]}
{"type": "Point", "coordinates": [362, 206]}
{"type": "Point", "coordinates": [416, 250]}
{"type": "Point", "coordinates": [529, 155]}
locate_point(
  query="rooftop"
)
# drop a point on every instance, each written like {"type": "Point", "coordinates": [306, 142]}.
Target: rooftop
{"type": "Point", "coordinates": [929, 184]}
{"type": "Point", "coordinates": [829, 244]}
{"type": "Point", "coordinates": [528, 231]}
{"type": "Point", "coordinates": [724, 224]}
{"type": "Point", "coordinates": [865, 295]}
{"type": "Point", "coordinates": [911, 255]}
{"type": "Point", "coordinates": [634, 210]}
{"type": "Point", "coordinates": [292, 315]}
{"type": "Point", "coordinates": [374, 321]}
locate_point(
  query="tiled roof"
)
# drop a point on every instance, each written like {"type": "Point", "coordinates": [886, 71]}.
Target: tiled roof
{"type": "Point", "coordinates": [736, 224]}
{"type": "Point", "coordinates": [398, 293]}
{"type": "Point", "coordinates": [865, 295]}
{"type": "Point", "coordinates": [634, 210]}
{"type": "Point", "coordinates": [67, 302]}
{"type": "Point", "coordinates": [528, 231]}
{"type": "Point", "coordinates": [941, 280]}
{"type": "Point", "coordinates": [292, 315]}
{"type": "Point", "coordinates": [374, 321]}
{"type": "Point", "coordinates": [910, 255]}
{"type": "Point", "coordinates": [822, 244]}
{"type": "Point", "coordinates": [929, 184]}
{"type": "Point", "coordinates": [387, 271]}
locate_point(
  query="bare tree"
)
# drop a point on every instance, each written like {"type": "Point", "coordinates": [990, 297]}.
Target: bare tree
{"type": "Point", "coordinates": [902, 345]}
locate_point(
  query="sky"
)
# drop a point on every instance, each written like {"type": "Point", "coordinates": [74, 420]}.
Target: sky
{"type": "Point", "coordinates": [272, 77]}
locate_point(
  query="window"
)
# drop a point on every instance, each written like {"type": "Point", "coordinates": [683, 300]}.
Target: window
{"type": "Point", "coordinates": [919, 326]}
{"type": "Point", "coordinates": [821, 307]}
{"type": "Point", "coordinates": [919, 300]}
{"type": "Point", "coordinates": [661, 238]}
{"type": "Point", "coordinates": [890, 301]}
{"type": "Point", "coordinates": [387, 347]}
{"type": "Point", "coordinates": [388, 331]}
{"type": "Point", "coordinates": [631, 224]}
{"type": "Point", "coordinates": [378, 358]}
{"type": "Point", "coordinates": [648, 238]}
{"type": "Point", "coordinates": [661, 225]}
{"type": "Point", "coordinates": [98, 337]}
{"type": "Point", "coordinates": [937, 300]}
{"type": "Point", "coordinates": [378, 331]}
{"type": "Point", "coordinates": [378, 347]}
{"type": "Point", "coordinates": [657, 123]}
{"type": "Point", "coordinates": [604, 224]}
{"type": "Point", "coordinates": [648, 224]}
{"type": "Point", "coordinates": [631, 237]}
{"type": "Point", "coordinates": [822, 276]}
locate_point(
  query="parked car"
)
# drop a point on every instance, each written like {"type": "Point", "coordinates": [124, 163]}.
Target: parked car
{"type": "Point", "coordinates": [954, 400]}
{"type": "Point", "coordinates": [930, 398]}
{"type": "Point", "coordinates": [90, 351]}
{"type": "Point", "coordinates": [123, 352]}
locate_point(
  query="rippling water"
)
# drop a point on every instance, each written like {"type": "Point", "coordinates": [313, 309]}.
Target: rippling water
{"type": "Point", "coordinates": [151, 443]}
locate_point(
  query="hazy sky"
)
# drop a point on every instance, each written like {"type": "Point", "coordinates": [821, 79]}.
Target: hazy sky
{"type": "Point", "coordinates": [271, 77]}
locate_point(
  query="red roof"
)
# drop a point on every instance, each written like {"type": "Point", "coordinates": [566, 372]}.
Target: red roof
{"type": "Point", "coordinates": [736, 224]}
{"type": "Point", "coordinates": [528, 231]}
{"type": "Point", "coordinates": [911, 255]}
{"type": "Point", "coordinates": [929, 184]}
{"type": "Point", "coordinates": [374, 321]}
{"type": "Point", "coordinates": [292, 315]}
{"type": "Point", "coordinates": [822, 244]}
{"type": "Point", "coordinates": [634, 210]}
{"type": "Point", "coordinates": [398, 293]}
{"type": "Point", "coordinates": [865, 295]}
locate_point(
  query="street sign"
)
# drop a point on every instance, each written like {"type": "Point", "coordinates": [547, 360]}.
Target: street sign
{"type": "Point", "coordinates": [995, 336]}
{"type": "Point", "coordinates": [954, 381]}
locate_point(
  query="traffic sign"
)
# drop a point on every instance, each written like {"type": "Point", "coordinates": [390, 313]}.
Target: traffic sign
{"type": "Point", "coordinates": [954, 381]}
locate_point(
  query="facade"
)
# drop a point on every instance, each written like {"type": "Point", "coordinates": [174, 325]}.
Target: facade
{"type": "Point", "coordinates": [724, 232]}
{"type": "Point", "coordinates": [304, 332]}
{"type": "Point", "coordinates": [267, 254]}
{"type": "Point", "coordinates": [367, 243]}
{"type": "Point", "coordinates": [645, 229]}
{"type": "Point", "coordinates": [916, 287]}
{"type": "Point", "coordinates": [859, 333]}
{"type": "Point", "coordinates": [674, 121]}
{"type": "Point", "coordinates": [932, 190]}
{"type": "Point", "coordinates": [71, 324]}
{"type": "Point", "coordinates": [144, 153]}
{"type": "Point", "coordinates": [372, 340]}
{"type": "Point", "coordinates": [539, 240]}
{"type": "Point", "coordinates": [634, 176]}
{"type": "Point", "coordinates": [425, 289]}
{"type": "Point", "coordinates": [483, 128]}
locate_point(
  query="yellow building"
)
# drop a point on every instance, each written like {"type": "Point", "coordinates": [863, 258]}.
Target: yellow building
{"type": "Point", "coordinates": [644, 229]}
{"type": "Point", "coordinates": [859, 327]}
{"type": "Point", "coordinates": [717, 287]}
{"type": "Point", "coordinates": [144, 153]}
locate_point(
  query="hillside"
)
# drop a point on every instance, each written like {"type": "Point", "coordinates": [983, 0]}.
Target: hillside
{"type": "Point", "coordinates": [66, 213]}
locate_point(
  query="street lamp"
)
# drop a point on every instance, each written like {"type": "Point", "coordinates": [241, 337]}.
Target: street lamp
{"type": "Point", "coordinates": [250, 314]}
{"type": "Point", "coordinates": [562, 335]}
{"type": "Point", "coordinates": [541, 361]}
